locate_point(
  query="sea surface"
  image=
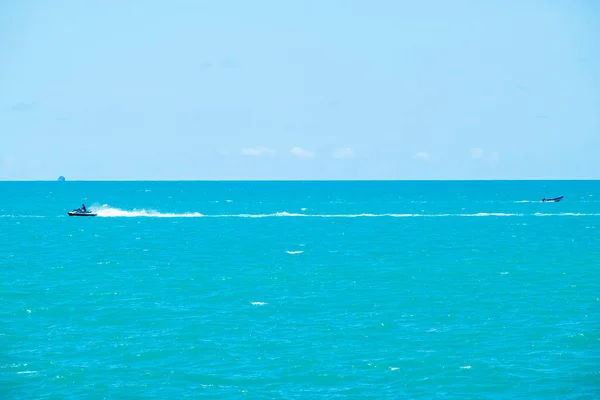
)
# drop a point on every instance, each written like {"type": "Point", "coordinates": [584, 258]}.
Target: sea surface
{"type": "Point", "coordinates": [303, 290]}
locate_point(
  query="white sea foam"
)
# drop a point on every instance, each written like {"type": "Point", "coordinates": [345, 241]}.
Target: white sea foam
{"type": "Point", "coordinates": [21, 216]}
{"type": "Point", "coordinates": [566, 214]}
{"type": "Point", "coordinates": [258, 303]}
{"type": "Point", "coordinates": [108, 211]}
{"type": "Point", "coordinates": [491, 215]}
{"type": "Point", "coordinates": [295, 252]}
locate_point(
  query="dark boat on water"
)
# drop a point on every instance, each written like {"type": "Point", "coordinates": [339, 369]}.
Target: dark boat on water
{"type": "Point", "coordinates": [553, 200]}
{"type": "Point", "coordinates": [81, 213]}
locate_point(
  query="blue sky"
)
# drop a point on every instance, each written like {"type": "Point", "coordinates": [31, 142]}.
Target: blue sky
{"type": "Point", "coordinates": [300, 89]}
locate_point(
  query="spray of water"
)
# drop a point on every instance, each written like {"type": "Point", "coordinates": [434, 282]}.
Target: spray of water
{"type": "Point", "coordinates": [108, 211]}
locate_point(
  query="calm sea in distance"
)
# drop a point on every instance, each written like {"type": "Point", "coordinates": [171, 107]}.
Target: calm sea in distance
{"type": "Point", "coordinates": [307, 290]}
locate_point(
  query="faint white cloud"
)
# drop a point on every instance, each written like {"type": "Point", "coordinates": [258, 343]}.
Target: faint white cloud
{"type": "Point", "coordinates": [257, 151]}
{"type": "Point", "coordinates": [343, 152]}
{"type": "Point", "coordinates": [423, 155]}
{"type": "Point", "coordinates": [490, 158]}
{"type": "Point", "coordinates": [301, 153]}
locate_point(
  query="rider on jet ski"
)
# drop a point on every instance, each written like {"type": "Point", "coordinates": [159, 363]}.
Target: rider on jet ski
{"type": "Point", "coordinates": [83, 209]}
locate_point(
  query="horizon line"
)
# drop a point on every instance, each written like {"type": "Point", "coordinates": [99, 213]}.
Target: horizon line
{"type": "Point", "coordinates": [307, 180]}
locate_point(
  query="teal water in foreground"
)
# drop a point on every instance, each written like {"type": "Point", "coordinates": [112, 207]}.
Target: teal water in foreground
{"type": "Point", "coordinates": [268, 290]}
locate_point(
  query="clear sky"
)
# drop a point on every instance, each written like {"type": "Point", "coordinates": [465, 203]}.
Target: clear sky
{"type": "Point", "coordinates": [305, 89]}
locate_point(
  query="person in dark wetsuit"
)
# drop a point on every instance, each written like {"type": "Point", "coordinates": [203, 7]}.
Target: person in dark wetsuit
{"type": "Point", "coordinates": [83, 209]}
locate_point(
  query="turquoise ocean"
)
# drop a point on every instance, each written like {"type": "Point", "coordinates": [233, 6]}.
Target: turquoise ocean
{"type": "Point", "coordinates": [308, 290]}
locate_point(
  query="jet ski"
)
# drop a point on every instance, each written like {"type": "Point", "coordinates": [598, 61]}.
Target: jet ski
{"type": "Point", "coordinates": [553, 200]}
{"type": "Point", "coordinates": [80, 213]}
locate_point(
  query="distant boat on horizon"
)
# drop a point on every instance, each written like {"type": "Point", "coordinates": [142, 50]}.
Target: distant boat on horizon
{"type": "Point", "coordinates": [61, 178]}
{"type": "Point", "coordinates": [552, 200]}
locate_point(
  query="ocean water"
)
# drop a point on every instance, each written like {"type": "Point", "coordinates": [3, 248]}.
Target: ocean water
{"type": "Point", "coordinates": [277, 290]}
